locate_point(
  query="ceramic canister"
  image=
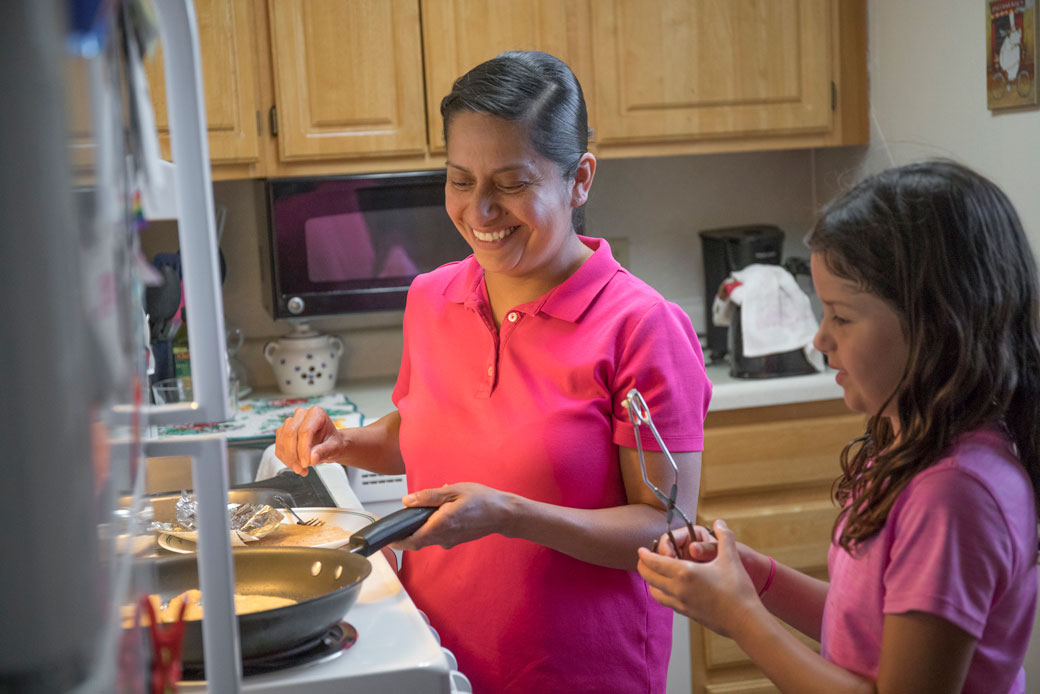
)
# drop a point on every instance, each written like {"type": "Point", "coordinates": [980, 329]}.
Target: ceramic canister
{"type": "Point", "coordinates": [305, 364]}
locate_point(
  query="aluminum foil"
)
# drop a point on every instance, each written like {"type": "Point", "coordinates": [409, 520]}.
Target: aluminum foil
{"type": "Point", "coordinates": [248, 521]}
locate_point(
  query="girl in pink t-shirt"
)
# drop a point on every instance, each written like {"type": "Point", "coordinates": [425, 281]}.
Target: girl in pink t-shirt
{"type": "Point", "coordinates": [931, 306]}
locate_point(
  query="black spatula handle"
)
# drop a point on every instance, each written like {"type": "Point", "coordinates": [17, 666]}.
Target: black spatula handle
{"type": "Point", "coordinates": [398, 525]}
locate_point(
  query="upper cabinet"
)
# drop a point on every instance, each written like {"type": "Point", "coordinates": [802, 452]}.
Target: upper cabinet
{"type": "Point", "coordinates": [713, 75]}
{"type": "Point", "coordinates": [227, 41]}
{"type": "Point", "coordinates": [681, 69]}
{"type": "Point", "coordinates": [316, 87]}
{"type": "Point", "coordinates": [348, 78]}
{"type": "Point", "coordinates": [459, 34]}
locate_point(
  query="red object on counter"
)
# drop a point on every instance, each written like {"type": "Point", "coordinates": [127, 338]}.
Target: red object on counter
{"type": "Point", "coordinates": [727, 287]}
{"type": "Point", "coordinates": [166, 649]}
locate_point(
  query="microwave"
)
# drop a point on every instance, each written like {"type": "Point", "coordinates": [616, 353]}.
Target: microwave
{"type": "Point", "coordinates": [350, 244]}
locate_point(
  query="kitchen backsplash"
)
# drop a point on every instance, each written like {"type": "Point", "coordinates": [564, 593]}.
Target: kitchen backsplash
{"type": "Point", "coordinates": [656, 206]}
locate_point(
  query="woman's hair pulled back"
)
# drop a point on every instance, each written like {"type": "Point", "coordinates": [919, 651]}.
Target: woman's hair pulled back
{"type": "Point", "coordinates": [540, 93]}
{"type": "Point", "coordinates": [945, 248]}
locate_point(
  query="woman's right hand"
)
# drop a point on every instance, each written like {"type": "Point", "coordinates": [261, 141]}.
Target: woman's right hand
{"type": "Point", "coordinates": [307, 438]}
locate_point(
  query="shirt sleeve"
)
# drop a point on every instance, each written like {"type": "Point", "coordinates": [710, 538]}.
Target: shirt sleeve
{"type": "Point", "coordinates": [951, 553]}
{"type": "Point", "coordinates": [662, 359]}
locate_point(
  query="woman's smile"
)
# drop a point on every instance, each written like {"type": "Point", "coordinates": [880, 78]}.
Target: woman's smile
{"type": "Point", "coordinates": [490, 236]}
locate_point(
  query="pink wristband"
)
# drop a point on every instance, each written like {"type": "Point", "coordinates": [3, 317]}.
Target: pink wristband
{"type": "Point", "coordinates": [769, 578]}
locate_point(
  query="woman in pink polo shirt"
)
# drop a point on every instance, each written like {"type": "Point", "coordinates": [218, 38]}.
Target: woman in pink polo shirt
{"type": "Point", "coordinates": [932, 318]}
{"type": "Point", "coordinates": [509, 411]}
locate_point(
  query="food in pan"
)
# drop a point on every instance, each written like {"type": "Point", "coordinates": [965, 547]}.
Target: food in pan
{"type": "Point", "coordinates": [168, 612]}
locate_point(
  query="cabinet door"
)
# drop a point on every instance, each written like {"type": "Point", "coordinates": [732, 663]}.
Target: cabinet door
{"type": "Point", "coordinates": [699, 69]}
{"type": "Point", "coordinates": [228, 47]}
{"type": "Point", "coordinates": [347, 77]}
{"type": "Point", "coordinates": [459, 34]}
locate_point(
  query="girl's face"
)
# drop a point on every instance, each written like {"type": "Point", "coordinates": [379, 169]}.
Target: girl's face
{"type": "Point", "coordinates": [511, 204]}
{"type": "Point", "coordinates": [863, 337]}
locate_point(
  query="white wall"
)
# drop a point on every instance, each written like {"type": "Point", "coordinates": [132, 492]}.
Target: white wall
{"type": "Point", "coordinates": [927, 63]}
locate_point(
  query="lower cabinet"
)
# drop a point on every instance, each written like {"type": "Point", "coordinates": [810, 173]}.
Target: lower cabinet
{"type": "Point", "coordinates": [767, 471]}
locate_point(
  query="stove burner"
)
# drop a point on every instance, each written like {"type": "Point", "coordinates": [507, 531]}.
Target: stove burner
{"type": "Point", "coordinates": [336, 639]}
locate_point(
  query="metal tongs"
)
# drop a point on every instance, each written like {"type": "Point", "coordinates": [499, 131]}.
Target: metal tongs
{"type": "Point", "coordinates": [639, 414]}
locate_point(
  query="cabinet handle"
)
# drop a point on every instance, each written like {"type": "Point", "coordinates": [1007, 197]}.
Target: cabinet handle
{"type": "Point", "coordinates": [274, 120]}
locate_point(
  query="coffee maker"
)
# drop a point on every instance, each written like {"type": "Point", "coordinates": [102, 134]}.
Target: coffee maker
{"type": "Point", "coordinates": [734, 248]}
{"type": "Point", "coordinates": [729, 249]}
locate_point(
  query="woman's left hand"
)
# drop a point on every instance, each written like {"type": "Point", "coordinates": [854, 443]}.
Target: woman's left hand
{"type": "Point", "coordinates": [717, 593]}
{"type": "Point", "coordinates": [466, 511]}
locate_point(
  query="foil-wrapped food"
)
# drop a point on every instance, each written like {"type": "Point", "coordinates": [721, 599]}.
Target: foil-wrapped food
{"type": "Point", "coordinates": [249, 522]}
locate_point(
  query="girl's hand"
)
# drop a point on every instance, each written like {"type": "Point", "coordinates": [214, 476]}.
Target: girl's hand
{"type": "Point", "coordinates": [717, 593]}
{"type": "Point", "coordinates": [701, 549]}
{"type": "Point", "coordinates": [705, 547]}
{"type": "Point", "coordinates": [467, 511]}
{"type": "Point", "coordinates": [307, 438]}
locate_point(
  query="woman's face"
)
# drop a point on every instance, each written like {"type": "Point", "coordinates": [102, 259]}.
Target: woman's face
{"type": "Point", "coordinates": [863, 337]}
{"type": "Point", "coordinates": [511, 204]}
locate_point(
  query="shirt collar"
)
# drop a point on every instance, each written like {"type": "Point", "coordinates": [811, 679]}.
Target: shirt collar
{"type": "Point", "coordinates": [567, 301]}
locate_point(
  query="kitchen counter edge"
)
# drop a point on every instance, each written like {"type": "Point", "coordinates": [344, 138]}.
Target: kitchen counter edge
{"type": "Point", "coordinates": [372, 396]}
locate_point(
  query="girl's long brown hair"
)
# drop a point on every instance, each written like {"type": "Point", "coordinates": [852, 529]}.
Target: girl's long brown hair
{"type": "Point", "coordinates": [945, 248]}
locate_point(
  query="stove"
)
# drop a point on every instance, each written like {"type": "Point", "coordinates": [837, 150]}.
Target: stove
{"type": "Point", "coordinates": [326, 646]}
{"type": "Point", "coordinates": [396, 650]}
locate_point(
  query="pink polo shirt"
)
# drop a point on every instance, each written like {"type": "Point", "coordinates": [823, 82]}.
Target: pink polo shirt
{"type": "Point", "coordinates": [535, 408]}
{"type": "Point", "coordinates": [959, 543]}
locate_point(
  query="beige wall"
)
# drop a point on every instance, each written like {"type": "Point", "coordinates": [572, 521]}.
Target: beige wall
{"type": "Point", "coordinates": [927, 64]}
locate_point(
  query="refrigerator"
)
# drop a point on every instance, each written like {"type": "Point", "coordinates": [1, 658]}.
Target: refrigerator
{"type": "Point", "coordinates": [80, 180]}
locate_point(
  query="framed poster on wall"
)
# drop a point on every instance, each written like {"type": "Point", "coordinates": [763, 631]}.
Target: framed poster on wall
{"type": "Point", "coordinates": [1011, 42]}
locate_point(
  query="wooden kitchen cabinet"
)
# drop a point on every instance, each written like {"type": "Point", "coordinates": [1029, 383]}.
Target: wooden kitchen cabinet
{"type": "Point", "coordinates": [348, 78]}
{"type": "Point", "coordinates": [680, 76]}
{"type": "Point", "coordinates": [767, 471]}
{"type": "Point", "coordinates": [228, 44]}
{"type": "Point", "coordinates": [320, 87]}
{"type": "Point", "coordinates": [460, 34]}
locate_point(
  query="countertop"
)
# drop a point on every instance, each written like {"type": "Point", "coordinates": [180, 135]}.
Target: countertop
{"type": "Point", "coordinates": [372, 396]}
{"type": "Point", "coordinates": [730, 393]}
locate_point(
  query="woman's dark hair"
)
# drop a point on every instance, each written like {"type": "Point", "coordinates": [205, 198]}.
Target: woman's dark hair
{"type": "Point", "coordinates": [539, 92]}
{"type": "Point", "coordinates": [945, 248]}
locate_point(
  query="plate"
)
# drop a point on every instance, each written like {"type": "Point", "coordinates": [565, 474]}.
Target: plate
{"type": "Point", "coordinates": [348, 519]}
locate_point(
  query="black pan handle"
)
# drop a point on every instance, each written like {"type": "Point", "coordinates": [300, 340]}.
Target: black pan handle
{"type": "Point", "coordinates": [398, 525]}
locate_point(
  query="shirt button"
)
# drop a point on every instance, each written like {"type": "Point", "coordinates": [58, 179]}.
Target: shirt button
{"type": "Point", "coordinates": [513, 315]}
{"type": "Point", "coordinates": [491, 371]}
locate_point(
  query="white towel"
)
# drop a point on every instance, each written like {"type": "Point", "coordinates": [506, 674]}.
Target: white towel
{"type": "Point", "coordinates": [775, 314]}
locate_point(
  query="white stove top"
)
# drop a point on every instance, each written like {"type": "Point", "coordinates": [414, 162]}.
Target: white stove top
{"type": "Point", "coordinates": [395, 651]}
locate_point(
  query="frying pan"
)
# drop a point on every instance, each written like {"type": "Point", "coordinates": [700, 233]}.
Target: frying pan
{"type": "Point", "coordinates": [325, 584]}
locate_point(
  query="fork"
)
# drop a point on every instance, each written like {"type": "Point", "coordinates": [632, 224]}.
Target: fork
{"type": "Point", "coordinates": [313, 522]}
